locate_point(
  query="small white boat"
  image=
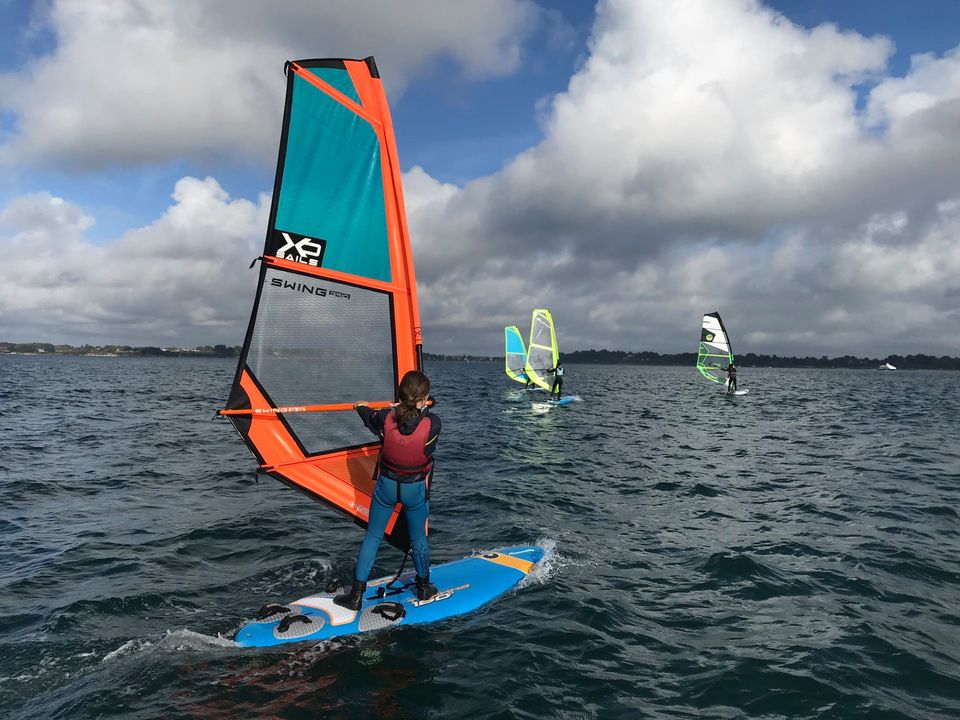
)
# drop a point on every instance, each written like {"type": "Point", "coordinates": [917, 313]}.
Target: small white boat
{"type": "Point", "coordinates": [886, 366]}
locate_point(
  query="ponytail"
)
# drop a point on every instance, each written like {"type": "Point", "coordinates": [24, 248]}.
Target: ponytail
{"type": "Point", "coordinates": [414, 386]}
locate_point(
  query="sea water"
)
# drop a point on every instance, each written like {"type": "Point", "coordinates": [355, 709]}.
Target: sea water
{"type": "Point", "coordinates": [791, 553]}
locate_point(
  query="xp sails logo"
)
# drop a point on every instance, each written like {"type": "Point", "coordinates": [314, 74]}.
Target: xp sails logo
{"type": "Point", "coordinates": [296, 248]}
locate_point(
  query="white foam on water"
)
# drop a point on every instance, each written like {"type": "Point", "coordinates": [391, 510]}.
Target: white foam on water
{"type": "Point", "coordinates": [18, 678]}
{"type": "Point", "coordinates": [314, 571]}
{"type": "Point", "coordinates": [129, 647]}
{"type": "Point", "coordinates": [542, 406]}
{"type": "Point", "coordinates": [323, 567]}
{"type": "Point", "coordinates": [547, 567]}
{"type": "Point", "coordinates": [173, 641]}
{"type": "Point", "coordinates": [178, 640]}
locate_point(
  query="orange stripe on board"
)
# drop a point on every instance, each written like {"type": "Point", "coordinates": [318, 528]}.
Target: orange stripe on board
{"type": "Point", "coordinates": [523, 566]}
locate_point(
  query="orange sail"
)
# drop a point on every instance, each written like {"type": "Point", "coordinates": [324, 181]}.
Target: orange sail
{"type": "Point", "coordinates": [335, 318]}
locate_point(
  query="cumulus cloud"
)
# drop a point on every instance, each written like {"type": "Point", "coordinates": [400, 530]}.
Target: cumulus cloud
{"type": "Point", "coordinates": [863, 292]}
{"type": "Point", "coordinates": [716, 156]}
{"type": "Point", "coordinates": [180, 280]}
{"type": "Point", "coordinates": [133, 82]}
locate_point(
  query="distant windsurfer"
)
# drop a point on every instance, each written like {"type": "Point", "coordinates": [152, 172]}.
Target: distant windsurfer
{"type": "Point", "coordinates": [731, 371]}
{"type": "Point", "coordinates": [409, 432]}
{"type": "Point", "coordinates": [557, 381]}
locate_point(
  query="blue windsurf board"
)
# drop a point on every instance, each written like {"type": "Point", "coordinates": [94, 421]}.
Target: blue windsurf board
{"type": "Point", "coordinates": [463, 586]}
{"type": "Point", "coordinates": [565, 400]}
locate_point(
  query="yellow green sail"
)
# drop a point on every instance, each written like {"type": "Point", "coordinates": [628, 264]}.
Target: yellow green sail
{"type": "Point", "coordinates": [542, 351]}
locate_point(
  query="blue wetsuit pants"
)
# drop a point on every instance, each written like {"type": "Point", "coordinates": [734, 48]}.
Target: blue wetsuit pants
{"type": "Point", "coordinates": [416, 507]}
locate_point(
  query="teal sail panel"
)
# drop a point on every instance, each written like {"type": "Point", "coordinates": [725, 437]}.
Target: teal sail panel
{"type": "Point", "coordinates": [331, 181]}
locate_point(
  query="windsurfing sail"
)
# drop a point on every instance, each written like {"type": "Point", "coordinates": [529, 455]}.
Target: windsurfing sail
{"type": "Point", "coordinates": [542, 352]}
{"type": "Point", "coordinates": [335, 317]}
{"type": "Point", "coordinates": [715, 352]}
{"type": "Point", "coordinates": [515, 355]}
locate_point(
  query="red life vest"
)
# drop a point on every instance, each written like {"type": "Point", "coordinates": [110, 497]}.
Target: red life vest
{"type": "Point", "coordinates": [405, 454]}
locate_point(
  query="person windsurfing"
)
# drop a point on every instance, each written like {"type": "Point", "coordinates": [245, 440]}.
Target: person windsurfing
{"type": "Point", "coordinates": [409, 432]}
{"type": "Point", "coordinates": [557, 381]}
{"type": "Point", "coordinates": [731, 371]}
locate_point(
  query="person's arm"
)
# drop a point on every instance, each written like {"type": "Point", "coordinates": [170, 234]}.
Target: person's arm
{"type": "Point", "coordinates": [373, 419]}
{"type": "Point", "coordinates": [431, 443]}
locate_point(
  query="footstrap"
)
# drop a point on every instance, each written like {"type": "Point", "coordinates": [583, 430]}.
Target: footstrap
{"type": "Point", "coordinates": [390, 611]}
{"type": "Point", "coordinates": [268, 610]}
{"type": "Point", "coordinates": [289, 620]}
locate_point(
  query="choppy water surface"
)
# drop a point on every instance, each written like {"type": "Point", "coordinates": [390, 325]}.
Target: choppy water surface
{"type": "Point", "coordinates": [791, 553]}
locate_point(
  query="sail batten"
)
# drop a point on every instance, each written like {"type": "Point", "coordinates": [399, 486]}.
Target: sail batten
{"type": "Point", "coordinates": [335, 318]}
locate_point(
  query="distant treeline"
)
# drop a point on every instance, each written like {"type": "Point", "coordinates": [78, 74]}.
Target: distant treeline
{"type": "Point", "coordinates": [600, 357]}
{"type": "Point", "coordinates": [36, 348]}
{"type": "Point", "coordinates": [622, 357]}
{"type": "Point", "coordinates": [901, 362]}
{"type": "Point", "coordinates": [462, 358]}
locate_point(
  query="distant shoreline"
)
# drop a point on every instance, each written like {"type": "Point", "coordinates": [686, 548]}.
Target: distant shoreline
{"type": "Point", "coordinates": [577, 357]}
{"type": "Point", "coordinates": [623, 357]}
{"type": "Point", "coordinates": [215, 351]}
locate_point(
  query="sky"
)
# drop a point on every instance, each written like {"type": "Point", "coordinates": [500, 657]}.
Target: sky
{"type": "Point", "coordinates": [630, 164]}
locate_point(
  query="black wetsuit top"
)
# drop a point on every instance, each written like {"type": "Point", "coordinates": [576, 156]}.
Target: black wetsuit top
{"type": "Point", "coordinates": [732, 373]}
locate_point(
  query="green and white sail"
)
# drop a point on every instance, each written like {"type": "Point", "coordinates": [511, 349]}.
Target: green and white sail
{"type": "Point", "coordinates": [515, 354]}
{"type": "Point", "coordinates": [542, 351]}
{"type": "Point", "coordinates": [715, 353]}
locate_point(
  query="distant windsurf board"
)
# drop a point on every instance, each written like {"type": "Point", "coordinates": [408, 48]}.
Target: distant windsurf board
{"type": "Point", "coordinates": [547, 404]}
